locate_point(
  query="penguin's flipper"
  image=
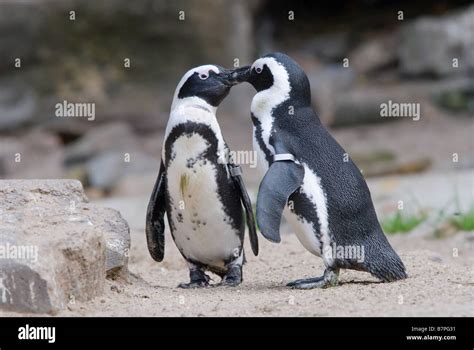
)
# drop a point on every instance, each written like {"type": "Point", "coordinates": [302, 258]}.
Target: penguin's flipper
{"type": "Point", "coordinates": [281, 180]}
{"type": "Point", "coordinates": [244, 197]}
{"type": "Point", "coordinates": [155, 222]}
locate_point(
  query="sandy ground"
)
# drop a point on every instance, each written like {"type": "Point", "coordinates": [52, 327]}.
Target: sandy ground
{"type": "Point", "coordinates": [439, 284]}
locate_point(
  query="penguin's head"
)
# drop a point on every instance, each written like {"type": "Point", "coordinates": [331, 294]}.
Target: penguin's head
{"type": "Point", "coordinates": [280, 73]}
{"type": "Point", "coordinates": [209, 83]}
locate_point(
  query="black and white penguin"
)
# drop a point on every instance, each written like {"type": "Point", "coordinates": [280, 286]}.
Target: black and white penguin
{"type": "Point", "coordinates": [201, 191]}
{"type": "Point", "coordinates": [309, 177]}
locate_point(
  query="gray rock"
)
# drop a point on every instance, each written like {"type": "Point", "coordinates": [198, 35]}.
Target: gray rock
{"type": "Point", "coordinates": [36, 154]}
{"type": "Point", "coordinates": [17, 105]}
{"type": "Point", "coordinates": [416, 192]}
{"type": "Point", "coordinates": [16, 22]}
{"type": "Point", "coordinates": [358, 107]}
{"type": "Point", "coordinates": [121, 106]}
{"type": "Point", "coordinates": [116, 136]}
{"type": "Point", "coordinates": [117, 239]}
{"type": "Point", "coordinates": [363, 104]}
{"type": "Point", "coordinates": [330, 47]}
{"type": "Point", "coordinates": [327, 83]}
{"type": "Point", "coordinates": [428, 45]}
{"type": "Point", "coordinates": [106, 169]}
{"type": "Point", "coordinates": [67, 245]}
{"type": "Point", "coordinates": [374, 54]}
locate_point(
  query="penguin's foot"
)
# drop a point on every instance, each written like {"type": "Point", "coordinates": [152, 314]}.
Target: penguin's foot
{"type": "Point", "coordinates": [200, 284]}
{"type": "Point", "coordinates": [233, 277]}
{"type": "Point", "coordinates": [329, 279]}
{"type": "Point", "coordinates": [198, 279]}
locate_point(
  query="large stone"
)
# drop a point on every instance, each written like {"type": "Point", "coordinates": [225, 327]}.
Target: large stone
{"type": "Point", "coordinates": [374, 54]}
{"type": "Point", "coordinates": [16, 22]}
{"type": "Point", "coordinates": [116, 136]}
{"type": "Point", "coordinates": [326, 83]}
{"type": "Point", "coordinates": [106, 169]}
{"type": "Point", "coordinates": [68, 245]}
{"type": "Point", "coordinates": [329, 47]}
{"type": "Point", "coordinates": [428, 45]}
{"type": "Point", "coordinates": [37, 154]}
{"type": "Point", "coordinates": [117, 239]}
{"type": "Point", "coordinates": [17, 105]}
{"type": "Point", "coordinates": [363, 104]}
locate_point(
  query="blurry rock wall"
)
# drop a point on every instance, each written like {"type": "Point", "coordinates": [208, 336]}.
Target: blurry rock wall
{"type": "Point", "coordinates": [46, 57]}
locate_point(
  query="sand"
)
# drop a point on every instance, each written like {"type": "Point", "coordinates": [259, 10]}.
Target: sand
{"type": "Point", "coordinates": [439, 284]}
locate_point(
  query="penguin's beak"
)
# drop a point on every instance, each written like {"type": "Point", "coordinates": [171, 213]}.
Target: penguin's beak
{"type": "Point", "coordinates": [236, 76]}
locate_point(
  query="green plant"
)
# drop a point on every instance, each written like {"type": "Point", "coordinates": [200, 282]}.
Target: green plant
{"type": "Point", "coordinates": [464, 221]}
{"type": "Point", "coordinates": [402, 223]}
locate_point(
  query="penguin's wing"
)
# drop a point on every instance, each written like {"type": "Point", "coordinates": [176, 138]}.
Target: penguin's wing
{"type": "Point", "coordinates": [155, 222]}
{"type": "Point", "coordinates": [282, 179]}
{"type": "Point", "coordinates": [236, 173]}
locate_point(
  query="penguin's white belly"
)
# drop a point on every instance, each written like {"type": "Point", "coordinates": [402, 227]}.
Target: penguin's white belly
{"type": "Point", "coordinates": [202, 230]}
{"type": "Point", "coordinates": [262, 164]}
{"type": "Point", "coordinates": [303, 229]}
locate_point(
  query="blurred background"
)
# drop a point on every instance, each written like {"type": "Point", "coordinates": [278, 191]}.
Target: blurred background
{"type": "Point", "coordinates": [127, 57]}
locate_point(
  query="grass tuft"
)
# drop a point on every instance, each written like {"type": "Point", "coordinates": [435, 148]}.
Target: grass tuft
{"type": "Point", "coordinates": [402, 223]}
{"type": "Point", "coordinates": [464, 221]}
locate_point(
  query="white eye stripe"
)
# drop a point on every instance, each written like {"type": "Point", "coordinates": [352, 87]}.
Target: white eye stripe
{"type": "Point", "coordinates": [258, 66]}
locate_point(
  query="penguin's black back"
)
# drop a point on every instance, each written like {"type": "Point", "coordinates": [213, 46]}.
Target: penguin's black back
{"type": "Point", "coordinates": [352, 218]}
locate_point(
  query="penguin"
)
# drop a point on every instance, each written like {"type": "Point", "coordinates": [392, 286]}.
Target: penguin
{"type": "Point", "coordinates": [309, 178]}
{"type": "Point", "coordinates": [199, 187]}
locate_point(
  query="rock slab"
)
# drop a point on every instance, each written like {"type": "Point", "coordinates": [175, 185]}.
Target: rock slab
{"type": "Point", "coordinates": [55, 247]}
{"type": "Point", "coordinates": [428, 45]}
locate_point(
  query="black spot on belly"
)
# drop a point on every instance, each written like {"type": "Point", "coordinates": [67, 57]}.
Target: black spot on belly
{"type": "Point", "coordinates": [180, 217]}
{"type": "Point", "coordinates": [190, 163]}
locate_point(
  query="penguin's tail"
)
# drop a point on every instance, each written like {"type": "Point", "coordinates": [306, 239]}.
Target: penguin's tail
{"type": "Point", "coordinates": [383, 262]}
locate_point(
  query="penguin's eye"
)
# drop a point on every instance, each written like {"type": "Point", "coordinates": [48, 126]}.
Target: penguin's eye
{"type": "Point", "coordinates": [203, 76]}
{"type": "Point", "coordinates": [258, 70]}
